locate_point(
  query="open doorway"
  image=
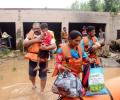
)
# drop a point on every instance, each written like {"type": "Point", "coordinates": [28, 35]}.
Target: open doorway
{"type": "Point", "coordinates": [9, 28]}
{"type": "Point", "coordinates": [118, 34]}
{"type": "Point", "coordinates": [79, 26]}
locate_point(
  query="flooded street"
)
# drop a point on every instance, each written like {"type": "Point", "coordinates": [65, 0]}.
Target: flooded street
{"type": "Point", "coordinates": [15, 85]}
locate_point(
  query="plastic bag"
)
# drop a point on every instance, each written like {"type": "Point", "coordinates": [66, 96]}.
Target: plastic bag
{"type": "Point", "coordinates": [96, 79]}
{"type": "Point", "coordinates": [96, 82]}
{"type": "Point", "coordinates": [68, 85]}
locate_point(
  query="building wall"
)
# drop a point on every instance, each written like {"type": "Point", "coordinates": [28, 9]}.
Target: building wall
{"type": "Point", "coordinates": [64, 16]}
{"type": "Point", "coordinates": [116, 25]}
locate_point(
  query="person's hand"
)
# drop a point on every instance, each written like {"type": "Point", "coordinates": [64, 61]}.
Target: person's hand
{"type": "Point", "coordinates": [63, 67]}
{"type": "Point", "coordinates": [92, 60]}
{"type": "Point", "coordinates": [43, 47]}
{"type": "Point", "coordinates": [102, 42]}
{"type": "Point", "coordinates": [94, 47]}
{"type": "Point", "coordinates": [49, 47]}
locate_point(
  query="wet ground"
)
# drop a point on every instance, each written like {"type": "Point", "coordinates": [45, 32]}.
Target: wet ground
{"type": "Point", "coordinates": [15, 85]}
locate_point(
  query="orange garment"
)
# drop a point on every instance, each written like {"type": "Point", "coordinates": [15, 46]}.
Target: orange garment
{"type": "Point", "coordinates": [73, 64]}
{"type": "Point", "coordinates": [32, 50]}
{"type": "Point", "coordinates": [87, 46]}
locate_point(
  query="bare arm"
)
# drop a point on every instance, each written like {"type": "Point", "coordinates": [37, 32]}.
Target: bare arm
{"type": "Point", "coordinates": [28, 42]}
{"type": "Point", "coordinates": [50, 47]}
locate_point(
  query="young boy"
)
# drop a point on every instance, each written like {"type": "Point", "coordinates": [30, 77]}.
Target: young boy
{"type": "Point", "coordinates": [43, 54]}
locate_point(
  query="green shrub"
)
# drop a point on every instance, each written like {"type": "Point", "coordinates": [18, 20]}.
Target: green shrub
{"type": "Point", "coordinates": [4, 50]}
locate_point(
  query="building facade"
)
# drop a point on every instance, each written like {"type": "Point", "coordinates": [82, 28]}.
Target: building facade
{"type": "Point", "coordinates": [20, 17]}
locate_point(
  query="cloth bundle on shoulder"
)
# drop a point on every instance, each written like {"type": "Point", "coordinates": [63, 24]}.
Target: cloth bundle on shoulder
{"type": "Point", "coordinates": [68, 85]}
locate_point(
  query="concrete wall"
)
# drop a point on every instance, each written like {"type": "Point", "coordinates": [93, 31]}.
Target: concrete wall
{"type": "Point", "coordinates": [64, 16]}
{"type": "Point", "coordinates": [116, 25]}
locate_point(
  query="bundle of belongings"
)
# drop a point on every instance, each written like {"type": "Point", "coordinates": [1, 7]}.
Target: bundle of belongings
{"type": "Point", "coordinates": [5, 35]}
{"type": "Point", "coordinates": [68, 85]}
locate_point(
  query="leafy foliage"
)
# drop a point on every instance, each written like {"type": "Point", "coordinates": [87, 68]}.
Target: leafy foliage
{"type": "Point", "coordinates": [4, 50]}
{"type": "Point", "coordinates": [111, 5]}
{"type": "Point", "coordinates": [84, 7]}
{"type": "Point", "coordinates": [94, 5]}
{"type": "Point", "coordinates": [76, 5]}
{"type": "Point", "coordinates": [97, 5]}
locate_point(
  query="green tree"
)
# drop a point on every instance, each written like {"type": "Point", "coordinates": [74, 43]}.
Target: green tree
{"type": "Point", "coordinates": [111, 5]}
{"type": "Point", "coordinates": [100, 5]}
{"type": "Point", "coordinates": [85, 6]}
{"type": "Point", "coordinates": [97, 5]}
{"type": "Point", "coordinates": [75, 5]}
{"type": "Point", "coordinates": [94, 5]}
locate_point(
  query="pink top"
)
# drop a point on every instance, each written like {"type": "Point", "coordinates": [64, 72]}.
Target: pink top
{"type": "Point", "coordinates": [84, 32]}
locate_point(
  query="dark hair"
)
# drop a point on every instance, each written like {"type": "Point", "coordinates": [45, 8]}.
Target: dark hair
{"type": "Point", "coordinates": [84, 27]}
{"type": "Point", "coordinates": [64, 27]}
{"type": "Point", "coordinates": [35, 24]}
{"type": "Point", "coordinates": [43, 25]}
{"type": "Point", "coordinates": [90, 28]}
{"type": "Point", "coordinates": [74, 34]}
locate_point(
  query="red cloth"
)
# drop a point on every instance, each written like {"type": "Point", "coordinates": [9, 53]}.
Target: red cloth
{"type": "Point", "coordinates": [47, 39]}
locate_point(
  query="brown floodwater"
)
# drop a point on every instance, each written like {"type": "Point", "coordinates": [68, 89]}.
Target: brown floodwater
{"type": "Point", "coordinates": [15, 85]}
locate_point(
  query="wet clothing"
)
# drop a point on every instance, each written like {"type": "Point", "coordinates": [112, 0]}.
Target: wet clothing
{"type": "Point", "coordinates": [86, 43]}
{"type": "Point", "coordinates": [33, 62]}
{"type": "Point", "coordinates": [74, 53]}
{"type": "Point", "coordinates": [33, 49]}
{"type": "Point", "coordinates": [90, 43]}
{"type": "Point", "coordinates": [32, 65]}
{"type": "Point", "coordinates": [74, 59]}
{"type": "Point", "coordinates": [43, 54]}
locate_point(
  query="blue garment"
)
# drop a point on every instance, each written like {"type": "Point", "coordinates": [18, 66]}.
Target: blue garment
{"type": "Point", "coordinates": [91, 42]}
{"type": "Point", "coordinates": [74, 53]}
{"type": "Point", "coordinates": [84, 54]}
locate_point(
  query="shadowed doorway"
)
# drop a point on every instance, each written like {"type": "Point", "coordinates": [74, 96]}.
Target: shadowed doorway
{"type": "Point", "coordinates": [9, 28]}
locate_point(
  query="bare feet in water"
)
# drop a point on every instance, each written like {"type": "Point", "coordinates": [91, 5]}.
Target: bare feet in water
{"type": "Point", "coordinates": [34, 87]}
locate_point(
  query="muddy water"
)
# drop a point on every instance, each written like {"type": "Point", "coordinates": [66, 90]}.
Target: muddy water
{"type": "Point", "coordinates": [15, 85]}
